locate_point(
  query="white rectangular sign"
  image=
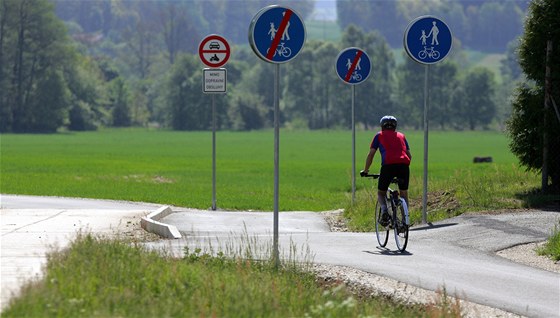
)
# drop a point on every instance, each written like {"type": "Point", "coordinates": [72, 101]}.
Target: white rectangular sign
{"type": "Point", "coordinates": [214, 80]}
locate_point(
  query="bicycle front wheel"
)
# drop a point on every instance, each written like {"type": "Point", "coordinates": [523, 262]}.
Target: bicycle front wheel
{"type": "Point", "coordinates": [400, 216]}
{"type": "Point", "coordinates": [381, 231]}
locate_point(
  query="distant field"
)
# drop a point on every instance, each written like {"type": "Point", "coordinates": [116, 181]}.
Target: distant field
{"type": "Point", "coordinates": [491, 62]}
{"type": "Point", "coordinates": [323, 30]}
{"type": "Point", "coordinates": [315, 167]}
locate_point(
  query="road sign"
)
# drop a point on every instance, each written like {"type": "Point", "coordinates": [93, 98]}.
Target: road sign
{"type": "Point", "coordinates": [214, 80]}
{"type": "Point", "coordinates": [214, 51]}
{"type": "Point", "coordinates": [353, 65]}
{"type": "Point", "coordinates": [276, 34]}
{"type": "Point", "coordinates": [427, 40]}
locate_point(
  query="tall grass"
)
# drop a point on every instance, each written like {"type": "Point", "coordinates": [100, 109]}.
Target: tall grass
{"type": "Point", "coordinates": [552, 246]}
{"type": "Point", "coordinates": [98, 277]}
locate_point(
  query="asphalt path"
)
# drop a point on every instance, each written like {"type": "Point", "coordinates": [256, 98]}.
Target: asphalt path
{"type": "Point", "coordinates": [457, 254]}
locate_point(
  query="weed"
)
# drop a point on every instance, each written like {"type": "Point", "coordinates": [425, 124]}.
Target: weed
{"type": "Point", "coordinates": [552, 247]}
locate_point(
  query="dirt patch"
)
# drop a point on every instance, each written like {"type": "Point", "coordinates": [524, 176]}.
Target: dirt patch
{"type": "Point", "coordinates": [439, 200]}
{"type": "Point", "coordinates": [130, 229]}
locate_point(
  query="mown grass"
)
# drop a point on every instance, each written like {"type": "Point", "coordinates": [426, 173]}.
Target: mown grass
{"type": "Point", "coordinates": [175, 168]}
{"type": "Point", "coordinates": [98, 277]}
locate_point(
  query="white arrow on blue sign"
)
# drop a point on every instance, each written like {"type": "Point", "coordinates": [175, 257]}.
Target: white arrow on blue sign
{"type": "Point", "coordinates": [427, 40]}
{"type": "Point", "coordinates": [353, 65]}
{"type": "Point", "coordinates": [277, 34]}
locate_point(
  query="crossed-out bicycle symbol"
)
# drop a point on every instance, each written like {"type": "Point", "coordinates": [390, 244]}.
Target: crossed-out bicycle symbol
{"type": "Point", "coordinates": [282, 50]}
{"type": "Point", "coordinates": [431, 53]}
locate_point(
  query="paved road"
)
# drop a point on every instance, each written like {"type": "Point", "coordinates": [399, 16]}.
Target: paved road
{"type": "Point", "coordinates": [33, 226]}
{"type": "Point", "coordinates": [458, 254]}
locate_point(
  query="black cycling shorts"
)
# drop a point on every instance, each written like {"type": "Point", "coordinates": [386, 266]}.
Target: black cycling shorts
{"type": "Point", "coordinates": [388, 172]}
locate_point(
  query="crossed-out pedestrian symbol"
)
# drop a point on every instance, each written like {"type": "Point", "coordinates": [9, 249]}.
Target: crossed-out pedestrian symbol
{"type": "Point", "coordinates": [353, 65]}
{"type": "Point", "coordinates": [276, 34]}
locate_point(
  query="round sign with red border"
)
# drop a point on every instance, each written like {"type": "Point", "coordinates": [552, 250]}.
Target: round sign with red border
{"type": "Point", "coordinates": [214, 51]}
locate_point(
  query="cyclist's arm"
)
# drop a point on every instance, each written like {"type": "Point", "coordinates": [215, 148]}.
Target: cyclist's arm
{"type": "Point", "coordinates": [409, 154]}
{"type": "Point", "coordinates": [369, 159]}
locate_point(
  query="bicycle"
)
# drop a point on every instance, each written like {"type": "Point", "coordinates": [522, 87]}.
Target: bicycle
{"type": "Point", "coordinates": [399, 218]}
{"type": "Point", "coordinates": [355, 76]}
{"type": "Point", "coordinates": [431, 53]}
{"type": "Point", "coordinates": [282, 50]}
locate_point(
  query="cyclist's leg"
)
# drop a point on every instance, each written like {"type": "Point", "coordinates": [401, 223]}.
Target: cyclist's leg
{"type": "Point", "coordinates": [385, 177]}
{"type": "Point", "coordinates": [404, 176]}
{"type": "Point", "coordinates": [382, 199]}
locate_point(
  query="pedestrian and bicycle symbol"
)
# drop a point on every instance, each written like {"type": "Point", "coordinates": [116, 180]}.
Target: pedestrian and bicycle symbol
{"type": "Point", "coordinates": [277, 34]}
{"type": "Point", "coordinates": [353, 65]}
{"type": "Point", "coordinates": [428, 40]}
{"type": "Point", "coordinates": [214, 51]}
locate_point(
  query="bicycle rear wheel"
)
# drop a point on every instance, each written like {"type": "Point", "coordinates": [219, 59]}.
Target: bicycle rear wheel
{"type": "Point", "coordinates": [381, 231]}
{"type": "Point", "coordinates": [400, 216]}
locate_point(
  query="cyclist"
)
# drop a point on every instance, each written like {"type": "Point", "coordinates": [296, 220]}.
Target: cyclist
{"type": "Point", "coordinates": [395, 161]}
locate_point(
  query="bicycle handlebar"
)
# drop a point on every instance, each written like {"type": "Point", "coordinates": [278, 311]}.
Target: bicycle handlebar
{"type": "Point", "coordinates": [375, 176]}
{"type": "Point", "coordinates": [368, 175]}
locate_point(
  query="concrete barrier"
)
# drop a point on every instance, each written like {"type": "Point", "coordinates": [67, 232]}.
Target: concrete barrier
{"type": "Point", "coordinates": [151, 224]}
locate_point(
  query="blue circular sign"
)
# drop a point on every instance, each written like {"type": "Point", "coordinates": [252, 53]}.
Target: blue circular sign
{"type": "Point", "coordinates": [353, 65]}
{"type": "Point", "coordinates": [427, 40]}
{"type": "Point", "coordinates": [276, 34]}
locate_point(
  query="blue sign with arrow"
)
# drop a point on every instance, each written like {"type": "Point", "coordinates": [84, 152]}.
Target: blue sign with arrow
{"type": "Point", "coordinates": [277, 34]}
{"type": "Point", "coordinates": [353, 65]}
{"type": "Point", "coordinates": [427, 40]}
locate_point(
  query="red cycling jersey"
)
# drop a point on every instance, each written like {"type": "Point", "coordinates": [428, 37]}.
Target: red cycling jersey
{"type": "Point", "coordinates": [393, 147]}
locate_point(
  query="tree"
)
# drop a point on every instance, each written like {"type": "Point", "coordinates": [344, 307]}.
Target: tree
{"type": "Point", "coordinates": [376, 95]}
{"type": "Point", "coordinates": [298, 102]}
{"type": "Point", "coordinates": [530, 122]}
{"type": "Point", "coordinates": [119, 103]}
{"type": "Point", "coordinates": [186, 109]}
{"type": "Point", "coordinates": [325, 86]}
{"type": "Point", "coordinates": [246, 111]}
{"type": "Point", "coordinates": [479, 107]}
{"type": "Point", "coordinates": [442, 83]}
{"type": "Point", "coordinates": [410, 93]}
{"type": "Point", "coordinates": [35, 54]}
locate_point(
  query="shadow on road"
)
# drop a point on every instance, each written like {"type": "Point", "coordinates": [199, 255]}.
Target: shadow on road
{"type": "Point", "coordinates": [386, 251]}
{"type": "Point", "coordinates": [431, 226]}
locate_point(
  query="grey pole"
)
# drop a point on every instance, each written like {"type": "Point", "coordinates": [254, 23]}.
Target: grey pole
{"type": "Point", "coordinates": [276, 161]}
{"type": "Point", "coordinates": [213, 153]}
{"type": "Point", "coordinates": [353, 146]}
{"type": "Point", "coordinates": [425, 180]}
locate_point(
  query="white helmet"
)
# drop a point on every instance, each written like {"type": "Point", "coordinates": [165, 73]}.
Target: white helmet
{"type": "Point", "coordinates": [388, 122]}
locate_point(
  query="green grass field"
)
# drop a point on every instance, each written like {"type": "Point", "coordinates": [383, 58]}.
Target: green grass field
{"type": "Point", "coordinates": [175, 168]}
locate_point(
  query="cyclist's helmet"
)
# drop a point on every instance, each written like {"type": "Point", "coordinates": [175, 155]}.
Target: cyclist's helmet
{"type": "Point", "coordinates": [388, 122]}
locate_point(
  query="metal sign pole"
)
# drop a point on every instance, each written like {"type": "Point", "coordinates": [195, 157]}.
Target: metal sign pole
{"type": "Point", "coordinates": [213, 153]}
{"type": "Point", "coordinates": [415, 43]}
{"type": "Point", "coordinates": [353, 145]}
{"type": "Point", "coordinates": [353, 66]}
{"type": "Point", "coordinates": [276, 160]}
{"type": "Point", "coordinates": [425, 180]}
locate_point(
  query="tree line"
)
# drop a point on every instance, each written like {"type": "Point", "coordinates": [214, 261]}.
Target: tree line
{"type": "Point", "coordinates": [143, 72]}
{"type": "Point", "coordinates": [480, 25]}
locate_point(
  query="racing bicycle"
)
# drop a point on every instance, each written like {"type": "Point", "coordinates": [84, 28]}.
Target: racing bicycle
{"type": "Point", "coordinates": [399, 218]}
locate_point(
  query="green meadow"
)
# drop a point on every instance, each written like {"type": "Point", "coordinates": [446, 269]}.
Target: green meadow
{"type": "Point", "coordinates": [175, 168]}
{"type": "Point", "coordinates": [171, 167]}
